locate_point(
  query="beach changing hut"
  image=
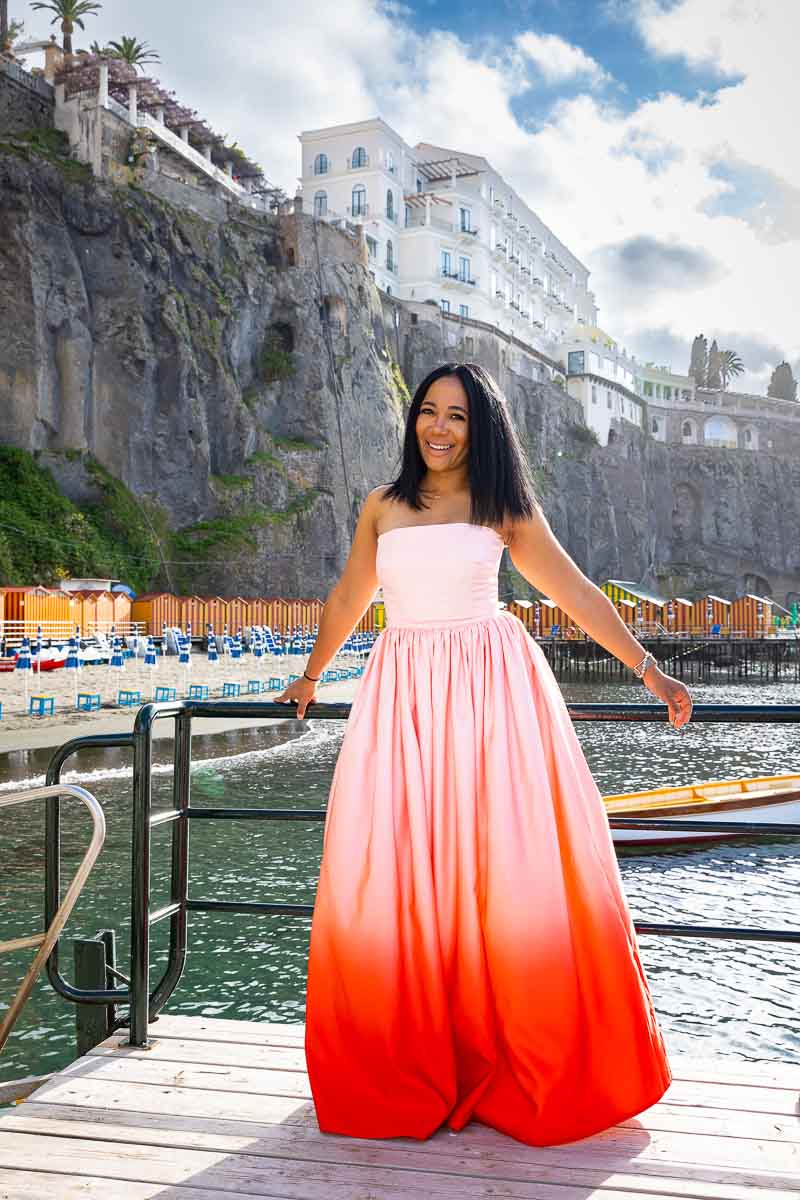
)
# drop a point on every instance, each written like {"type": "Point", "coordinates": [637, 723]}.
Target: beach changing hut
{"type": "Point", "coordinates": [26, 608]}
{"type": "Point", "coordinates": [712, 615]}
{"type": "Point", "coordinates": [751, 616]}
{"type": "Point", "coordinates": [680, 615]}
{"type": "Point", "coordinates": [651, 610]}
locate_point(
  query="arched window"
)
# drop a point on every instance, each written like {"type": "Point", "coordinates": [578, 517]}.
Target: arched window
{"type": "Point", "coordinates": [390, 204]}
{"type": "Point", "coordinates": [389, 256]}
{"type": "Point", "coordinates": [320, 204]}
{"type": "Point", "coordinates": [359, 158]}
{"type": "Point", "coordinates": [655, 425]}
{"type": "Point", "coordinates": [389, 161]}
{"type": "Point", "coordinates": [358, 199]}
{"type": "Point", "coordinates": [321, 164]}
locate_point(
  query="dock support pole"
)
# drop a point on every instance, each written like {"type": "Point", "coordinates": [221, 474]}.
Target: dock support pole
{"type": "Point", "coordinates": [93, 957]}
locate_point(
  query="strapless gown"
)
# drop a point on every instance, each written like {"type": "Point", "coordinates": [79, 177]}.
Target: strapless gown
{"type": "Point", "coordinates": [472, 954]}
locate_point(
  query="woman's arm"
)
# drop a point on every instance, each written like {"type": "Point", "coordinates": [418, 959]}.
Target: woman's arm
{"type": "Point", "coordinates": [542, 560]}
{"type": "Point", "coordinates": [346, 603]}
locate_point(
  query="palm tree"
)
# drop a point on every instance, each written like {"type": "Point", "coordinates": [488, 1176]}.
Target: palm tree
{"type": "Point", "coordinates": [70, 13]}
{"type": "Point", "coordinates": [730, 365]}
{"type": "Point", "coordinates": [134, 53]}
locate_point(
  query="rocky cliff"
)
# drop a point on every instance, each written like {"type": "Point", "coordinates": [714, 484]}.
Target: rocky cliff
{"type": "Point", "coordinates": [242, 376]}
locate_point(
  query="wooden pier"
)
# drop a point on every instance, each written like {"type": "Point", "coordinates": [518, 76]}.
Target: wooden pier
{"type": "Point", "coordinates": [218, 1108]}
{"type": "Point", "coordinates": [695, 660]}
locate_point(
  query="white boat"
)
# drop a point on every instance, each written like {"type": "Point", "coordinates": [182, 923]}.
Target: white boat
{"type": "Point", "coordinates": [771, 799]}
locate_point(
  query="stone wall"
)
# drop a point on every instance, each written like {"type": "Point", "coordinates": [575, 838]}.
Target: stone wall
{"type": "Point", "coordinates": [26, 101]}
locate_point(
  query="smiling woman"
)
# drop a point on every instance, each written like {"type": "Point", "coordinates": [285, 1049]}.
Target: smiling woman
{"type": "Point", "coordinates": [467, 856]}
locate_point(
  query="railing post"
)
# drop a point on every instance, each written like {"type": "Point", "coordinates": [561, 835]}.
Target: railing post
{"type": "Point", "coordinates": [179, 877]}
{"type": "Point", "coordinates": [93, 956]}
{"type": "Point", "coordinates": [140, 877]}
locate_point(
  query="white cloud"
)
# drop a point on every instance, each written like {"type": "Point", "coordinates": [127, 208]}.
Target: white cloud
{"type": "Point", "coordinates": [709, 181]}
{"type": "Point", "coordinates": [559, 61]}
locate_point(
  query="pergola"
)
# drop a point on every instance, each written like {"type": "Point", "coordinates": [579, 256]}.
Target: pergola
{"type": "Point", "coordinates": [445, 168]}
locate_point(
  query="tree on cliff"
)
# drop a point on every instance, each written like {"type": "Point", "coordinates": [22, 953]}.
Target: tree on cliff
{"type": "Point", "coordinates": [730, 365]}
{"type": "Point", "coordinates": [782, 385]}
{"type": "Point", "coordinates": [698, 365]}
{"type": "Point", "coordinates": [3, 23]}
{"type": "Point", "coordinates": [714, 376]}
{"type": "Point", "coordinates": [134, 53]}
{"type": "Point", "coordinates": [70, 13]}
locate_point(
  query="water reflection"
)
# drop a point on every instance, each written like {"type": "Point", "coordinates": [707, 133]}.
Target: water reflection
{"type": "Point", "coordinates": [732, 998]}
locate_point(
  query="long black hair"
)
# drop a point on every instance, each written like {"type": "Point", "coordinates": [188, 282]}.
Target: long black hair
{"type": "Point", "coordinates": [500, 481]}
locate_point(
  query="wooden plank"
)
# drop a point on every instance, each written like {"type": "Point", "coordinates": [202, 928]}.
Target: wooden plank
{"type": "Point", "coordinates": [764, 1073]}
{"type": "Point", "coordinates": [451, 1153]}
{"type": "Point", "coordinates": [229, 1054]}
{"type": "Point", "coordinates": [18, 1089]}
{"type": "Point", "coordinates": [242, 1081]}
{"type": "Point", "coordinates": [252, 1113]}
{"type": "Point", "coordinates": [302, 1179]}
{"type": "Point", "coordinates": [33, 1185]}
{"type": "Point", "coordinates": [218, 1029]}
{"type": "Point", "coordinates": [207, 1077]}
{"type": "Point", "coordinates": [717, 1094]}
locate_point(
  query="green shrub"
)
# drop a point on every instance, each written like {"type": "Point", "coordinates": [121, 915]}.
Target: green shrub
{"type": "Point", "coordinates": [276, 361]}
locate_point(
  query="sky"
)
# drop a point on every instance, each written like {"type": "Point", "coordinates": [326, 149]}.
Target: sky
{"type": "Point", "coordinates": [655, 137]}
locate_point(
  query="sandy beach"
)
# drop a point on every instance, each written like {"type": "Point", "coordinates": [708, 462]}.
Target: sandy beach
{"type": "Point", "coordinates": [20, 731]}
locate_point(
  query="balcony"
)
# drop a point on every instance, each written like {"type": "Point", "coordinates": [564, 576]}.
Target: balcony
{"type": "Point", "coordinates": [357, 210]}
{"type": "Point", "coordinates": [467, 233]}
{"type": "Point", "coordinates": [392, 268]}
{"type": "Point", "coordinates": [456, 279]}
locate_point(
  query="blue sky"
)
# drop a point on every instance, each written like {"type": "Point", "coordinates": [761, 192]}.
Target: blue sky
{"type": "Point", "coordinates": [602, 29]}
{"type": "Point", "coordinates": [655, 137]}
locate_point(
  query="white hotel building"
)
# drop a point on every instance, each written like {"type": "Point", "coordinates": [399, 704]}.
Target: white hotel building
{"type": "Point", "coordinates": [443, 225]}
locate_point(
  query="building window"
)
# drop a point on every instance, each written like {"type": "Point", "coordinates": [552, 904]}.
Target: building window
{"type": "Point", "coordinates": [463, 311]}
{"type": "Point", "coordinates": [466, 219]}
{"type": "Point", "coordinates": [390, 205]}
{"type": "Point", "coordinates": [647, 388]}
{"type": "Point", "coordinates": [594, 394]}
{"type": "Point", "coordinates": [358, 201]}
{"type": "Point", "coordinates": [748, 437]}
{"type": "Point", "coordinates": [445, 306]}
{"type": "Point", "coordinates": [320, 204]}
{"type": "Point", "coordinates": [447, 263]}
{"type": "Point", "coordinates": [655, 425]}
{"type": "Point", "coordinates": [359, 158]}
{"type": "Point", "coordinates": [667, 393]}
{"type": "Point", "coordinates": [464, 269]}
{"type": "Point", "coordinates": [390, 263]}
{"type": "Point", "coordinates": [321, 164]}
{"type": "Point", "coordinates": [408, 215]}
{"type": "Point", "coordinates": [491, 193]}
{"type": "Point", "coordinates": [372, 247]}
{"type": "Point", "coordinates": [390, 162]}
{"type": "Point", "coordinates": [658, 391]}
{"type": "Point", "coordinates": [419, 184]}
{"type": "Point", "coordinates": [388, 289]}
{"type": "Point", "coordinates": [608, 400]}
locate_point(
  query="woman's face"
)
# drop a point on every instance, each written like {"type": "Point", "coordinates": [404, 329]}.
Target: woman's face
{"type": "Point", "coordinates": [443, 426]}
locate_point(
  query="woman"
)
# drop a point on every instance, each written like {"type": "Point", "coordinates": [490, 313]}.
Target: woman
{"type": "Point", "coordinates": [472, 954]}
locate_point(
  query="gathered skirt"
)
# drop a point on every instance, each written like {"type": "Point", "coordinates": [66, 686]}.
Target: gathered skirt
{"type": "Point", "coordinates": [472, 954]}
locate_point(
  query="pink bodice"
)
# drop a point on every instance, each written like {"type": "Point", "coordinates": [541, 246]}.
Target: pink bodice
{"type": "Point", "coordinates": [439, 574]}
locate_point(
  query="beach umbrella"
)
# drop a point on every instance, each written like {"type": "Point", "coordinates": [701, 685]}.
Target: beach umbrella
{"type": "Point", "coordinates": [37, 651]}
{"type": "Point", "coordinates": [117, 660]}
{"type": "Point", "coordinates": [73, 662]}
{"type": "Point", "coordinates": [151, 663]}
{"type": "Point", "coordinates": [185, 659]}
{"type": "Point", "coordinates": [23, 664]}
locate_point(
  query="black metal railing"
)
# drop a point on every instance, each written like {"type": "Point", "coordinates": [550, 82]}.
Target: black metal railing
{"type": "Point", "coordinates": [145, 1003]}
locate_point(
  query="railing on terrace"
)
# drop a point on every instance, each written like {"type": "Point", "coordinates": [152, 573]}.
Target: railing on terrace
{"type": "Point", "coordinates": [144, 1001]}
{"type": "Point", "coordinates": [12, 632]}
{"type": "Point", "coordinates": [34, 83]}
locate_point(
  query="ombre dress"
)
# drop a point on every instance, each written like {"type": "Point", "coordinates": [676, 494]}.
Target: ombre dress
{"type": "Point", "coordinates": [472, 953]}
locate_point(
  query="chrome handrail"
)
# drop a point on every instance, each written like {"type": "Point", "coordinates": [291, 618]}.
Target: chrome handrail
{"type": "Point", "coordinates": [47, 940]}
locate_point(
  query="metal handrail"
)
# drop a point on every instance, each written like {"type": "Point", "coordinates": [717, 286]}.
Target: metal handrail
{"type": "Point", "coordinates": [47, 940]}
{"type": "Point", "coordinates": [145, 1004]}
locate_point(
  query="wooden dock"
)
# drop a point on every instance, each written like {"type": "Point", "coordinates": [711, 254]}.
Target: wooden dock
{"type": "Point", "coordinates": [214, 1109]}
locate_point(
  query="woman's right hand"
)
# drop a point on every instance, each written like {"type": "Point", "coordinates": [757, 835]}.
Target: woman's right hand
{"type": "Point", "coordinates": [303, 691]}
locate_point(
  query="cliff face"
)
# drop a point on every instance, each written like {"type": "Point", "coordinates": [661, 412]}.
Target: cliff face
{"type": "Point", "coordinates": [190, 357]}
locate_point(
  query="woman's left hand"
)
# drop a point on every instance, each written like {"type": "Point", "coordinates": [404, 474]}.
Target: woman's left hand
{"type": "Point", "coordinates": [673, 693]}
